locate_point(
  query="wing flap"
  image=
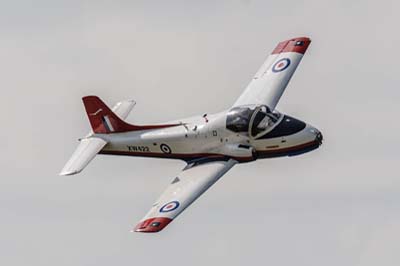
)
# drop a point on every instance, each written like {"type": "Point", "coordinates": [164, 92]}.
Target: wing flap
{"type": "Point", "coordinates": [190, 184]}
{"type": "Point", "coordinates": [84, 153]}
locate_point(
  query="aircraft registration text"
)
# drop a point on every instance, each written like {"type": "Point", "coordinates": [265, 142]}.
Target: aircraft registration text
{"type": "Point", "coordinates": [138, 148]}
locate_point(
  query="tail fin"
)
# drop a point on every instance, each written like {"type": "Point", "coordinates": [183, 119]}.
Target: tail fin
{"type": "Point", "coordinates": [101, 118]}
{"type": "Point", "coordinates": [105, 121]}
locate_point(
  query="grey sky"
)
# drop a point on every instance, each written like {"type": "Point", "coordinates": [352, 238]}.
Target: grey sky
{"type": "Point", "coordinates": [338, 205]}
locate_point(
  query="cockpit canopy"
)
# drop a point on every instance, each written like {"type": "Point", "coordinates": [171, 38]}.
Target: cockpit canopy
{"type": "Point", "coordinates": [253, 119]}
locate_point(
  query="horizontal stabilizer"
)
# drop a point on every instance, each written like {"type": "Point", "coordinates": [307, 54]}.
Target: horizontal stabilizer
{"type": "Point", "coordinates": [84, 153]}
{"type": "Point", "coordinates": [122, 109]}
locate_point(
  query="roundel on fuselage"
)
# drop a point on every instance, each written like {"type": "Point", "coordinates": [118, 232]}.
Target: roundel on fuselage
{"type": "Point", "coordinates": [165, 148]}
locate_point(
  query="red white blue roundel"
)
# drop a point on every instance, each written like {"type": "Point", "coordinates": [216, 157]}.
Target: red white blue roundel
{"type": "Point", "coordinates": [170, 206]}
{"type": "Point", "coordinates": [281, 65]}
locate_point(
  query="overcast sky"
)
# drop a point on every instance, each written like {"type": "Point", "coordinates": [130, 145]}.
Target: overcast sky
{"type": "Point", "coordinates": [338, 205]}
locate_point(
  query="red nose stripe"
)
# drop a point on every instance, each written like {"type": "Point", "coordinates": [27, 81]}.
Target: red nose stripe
{"type": "Point", "coordinates": [152, 225]}
{"type": "Point", "coordinates": [297, 45]}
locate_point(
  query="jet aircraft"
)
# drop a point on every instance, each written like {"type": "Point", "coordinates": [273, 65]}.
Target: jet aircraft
{"type": "Point", "coordinates": [210, 144]}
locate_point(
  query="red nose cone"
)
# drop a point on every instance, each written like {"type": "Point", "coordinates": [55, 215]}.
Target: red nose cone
{"type": "Point", "coordinates": [152, 225]}
{"type": "Point", "coordinates": [296, 45]}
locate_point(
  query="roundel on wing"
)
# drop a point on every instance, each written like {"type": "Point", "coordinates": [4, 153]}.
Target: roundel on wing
{"type": "Point", "coordinates": [281, 65]}
{"type": "Point", "coordinates": [170, 206]}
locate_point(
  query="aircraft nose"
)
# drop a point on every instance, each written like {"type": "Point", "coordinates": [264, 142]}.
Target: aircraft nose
{"type": "Point", "coordinates": [319, 137]}
{"type": "Point", "coordinates": [317, 134]}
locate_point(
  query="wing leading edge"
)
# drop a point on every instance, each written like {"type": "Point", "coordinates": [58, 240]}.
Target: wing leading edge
{"type": "Point", "coordinates": [270, 81]}
{"type": "Point", "coordinates": [190, 184]}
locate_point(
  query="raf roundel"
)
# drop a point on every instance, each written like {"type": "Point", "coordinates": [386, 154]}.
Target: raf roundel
{"type": "Point", "coordinates": [170, 206]}
{"type": "Point", "coordinates": [165, 148]}
{"type": "Point", "coordinates": [281, 65]}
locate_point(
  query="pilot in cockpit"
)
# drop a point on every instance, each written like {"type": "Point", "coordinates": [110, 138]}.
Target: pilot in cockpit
{"type": "Point", "coordinates": [258, 118]}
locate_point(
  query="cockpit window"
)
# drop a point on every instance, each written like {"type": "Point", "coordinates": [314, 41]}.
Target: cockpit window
{"type": "Point", "coordinates": [238, 119]}
{"type": "Point", "coordinates": [259, 118]}
{"type": "Point", "coordinates": [262, 121]}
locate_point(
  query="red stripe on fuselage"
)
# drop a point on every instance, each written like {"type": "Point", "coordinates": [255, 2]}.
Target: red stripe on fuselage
{"type": "Point", "coordinates": [192, 156]}
{"type": "Point", "coordinates": [183, 156]}
{"type": "Point", "coordinates": [291, 149]}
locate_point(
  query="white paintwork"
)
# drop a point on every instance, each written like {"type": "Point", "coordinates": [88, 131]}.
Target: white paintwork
{"type": "Point", "coordinates": [123, 108]}
{"type": "Point", "coordinates": [84, 153]}
{"type": "Point", "coordinates": [267, 86]}
{"type": "Point", "coordinates": [190, 184]}
{"type": "Point", "coordinates": [201, 140]}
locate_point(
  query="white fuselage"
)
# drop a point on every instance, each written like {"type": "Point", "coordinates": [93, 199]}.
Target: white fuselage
{"type": "Point", "coordinates": [208, 137]}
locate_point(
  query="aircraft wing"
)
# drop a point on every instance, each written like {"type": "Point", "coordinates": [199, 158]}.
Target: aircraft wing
{"type": "Point", "coordinates": [190, 184]}
{"type": "Point", "coordinates": [270, 81]}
